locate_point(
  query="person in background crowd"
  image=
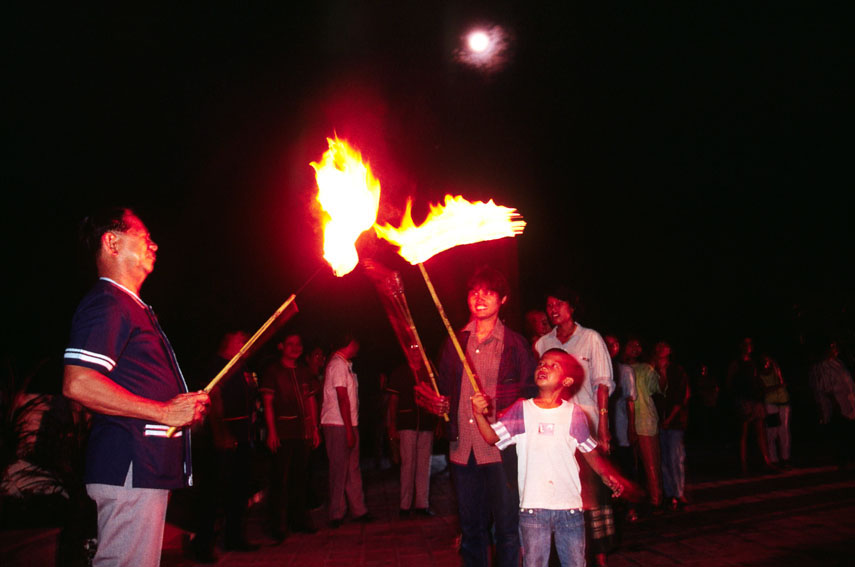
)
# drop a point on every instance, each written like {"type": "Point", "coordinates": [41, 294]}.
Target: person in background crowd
{"type": "Point", "coordinates": [646, 420]}
{"type": "Point", "coordinates": [674, 382]}
{"type": "Point", "coordinates": [316, 361]}
{"type": "Point", "coordinates": [412, 428]}
{"type": "Point", "coordinates": [536, 325]}
{"type": "Point", "coordinates": [705, 401]}
{"type": "Point", "coordinates": [623, 415]}
{"type": "Point", "coordinates": [592, 396]}
{"type": "Point", "coordinates": [228, 483]}
{"type": "Point", "coordinates": [340, 422]}
{"type": "Point", "coordinates": [743, 382]}
{"type": "Point", "coordinates": [777, 400]}
{"type": "Point", "coordinates": [287, 390]}
{"type": "Point", "coordinates": [834, 392]}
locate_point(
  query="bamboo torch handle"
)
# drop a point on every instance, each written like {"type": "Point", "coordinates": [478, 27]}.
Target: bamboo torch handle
{"type": "Point", "coordinates": [243, 350]}
{"type": "Point", "coordinates": [405, 309]}
{"type": "Point", "coordinates": [454, 341]}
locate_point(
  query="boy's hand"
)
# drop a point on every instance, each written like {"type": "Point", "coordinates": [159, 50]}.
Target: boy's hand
{"type": "Point", "coordinates": [614, 484]}
{"type": "Point", "coordinates": [623, 488]}
{"type": "Point", "coordinates": [480, 404]}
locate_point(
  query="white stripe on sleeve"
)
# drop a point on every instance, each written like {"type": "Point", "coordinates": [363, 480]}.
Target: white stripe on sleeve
{"type": "Point", "coordinates": [588, 445]}
{"type": "Point", "coordinates": [505, 439]}
{"type": "Point", "coordinates": [159, 430]}
{"type": "Point", "coordinates": [92, 357]}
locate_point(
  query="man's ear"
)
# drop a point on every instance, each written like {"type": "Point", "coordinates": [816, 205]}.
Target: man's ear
{"type": "Point", "coordinates": [504, 299]}
{"type": "Point", "coordinates": [110, 242]}
{"type": "Point", "coordinates": [568, 382]}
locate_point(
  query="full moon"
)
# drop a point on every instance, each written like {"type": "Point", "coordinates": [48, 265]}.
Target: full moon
{"type": "Point", "coordinates": [478, 41]}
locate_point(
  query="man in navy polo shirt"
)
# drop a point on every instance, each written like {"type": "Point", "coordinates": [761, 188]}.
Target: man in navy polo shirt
{"type": "Point", "coordinates": [120, 365]}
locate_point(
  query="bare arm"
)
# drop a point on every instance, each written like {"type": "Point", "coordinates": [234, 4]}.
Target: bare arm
{"type": "Point", "coordinates": [272, 440]}
{"type": "Point", "coordinates": [312, 419]}
{"type": "Point", "coordinates": [677, 407]}
{"type": "Point", "coordinates": [630, 417]}
{"type": "Point", "coordinates": [480, 406]}
{"type": "Point", "coordinates": [603, 434]}
{"type": "Point", "coordinates": [101, 395]}
{"type": "Point", "coordinates": [344, 408]}
{"type": "Point", "coordinates": [606, 471]}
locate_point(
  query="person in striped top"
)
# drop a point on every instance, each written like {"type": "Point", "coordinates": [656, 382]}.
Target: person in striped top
{"type": "Point", "coordinates": [120, 366]}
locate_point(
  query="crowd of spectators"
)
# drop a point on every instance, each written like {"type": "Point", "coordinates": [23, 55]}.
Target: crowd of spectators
{"type": "Point", "coordinates": [289, 424]}
{"type": "Point", "coordinates": [303, 427]}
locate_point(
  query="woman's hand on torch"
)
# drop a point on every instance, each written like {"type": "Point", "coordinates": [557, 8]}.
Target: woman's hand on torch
{"type": "Point", "coordinates": [428, 399]}
{"type": "Point", "coordinates": [185, 409]}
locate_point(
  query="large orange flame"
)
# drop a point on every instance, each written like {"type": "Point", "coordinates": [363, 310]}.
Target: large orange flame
{"type": "Point", "coordinates": [457, 222]}
{"type": "Point", "coordinates": [349, 195]}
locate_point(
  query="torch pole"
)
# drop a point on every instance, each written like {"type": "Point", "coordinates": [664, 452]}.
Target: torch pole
{"type": "Point", "coordinates": [405, 308]}
{"type": "Point", "coordinates": [243, 350]}
{"type": "Point", "coordinates": [451, 334]}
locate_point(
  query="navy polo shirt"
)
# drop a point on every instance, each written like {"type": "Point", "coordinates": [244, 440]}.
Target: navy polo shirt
{"type": "Point", "coordinates": [113, 332]}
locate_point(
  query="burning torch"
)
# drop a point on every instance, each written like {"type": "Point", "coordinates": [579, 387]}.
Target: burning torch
{"type": "Point", "coordinates": [349, 195]}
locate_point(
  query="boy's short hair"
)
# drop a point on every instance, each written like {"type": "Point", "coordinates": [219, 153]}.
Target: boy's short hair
{"type": "Point", "coordinates": [489, 278]}
{"type": "Point", "coordinates": [570, 366]}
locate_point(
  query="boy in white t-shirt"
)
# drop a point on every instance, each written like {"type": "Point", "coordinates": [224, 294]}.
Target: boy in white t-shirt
{"type": "Point", "coordinates": [547, 430]}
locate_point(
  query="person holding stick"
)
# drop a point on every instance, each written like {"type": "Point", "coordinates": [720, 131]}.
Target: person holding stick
{"type": "Point", "coordinates": [484, 477]}
{"type": "Point", "coordinates": [412, 429]}
{"type": "Point", "coordinates": [120, 365]}
{"type": "Point", "coordinates": [547, 431]}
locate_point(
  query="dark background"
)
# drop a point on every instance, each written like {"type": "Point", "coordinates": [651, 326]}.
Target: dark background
{"type": "Point", "coordinates": [687, 169]}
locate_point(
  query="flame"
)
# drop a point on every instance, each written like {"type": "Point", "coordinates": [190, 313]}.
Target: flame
{"type": "Point", "coordinates": [349, 195]}
{"type": "Point", "coordinates": [457, 222]}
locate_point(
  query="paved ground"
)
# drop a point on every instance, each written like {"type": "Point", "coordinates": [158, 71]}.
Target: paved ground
{"type": "Point", "coordinates": [805, 516]}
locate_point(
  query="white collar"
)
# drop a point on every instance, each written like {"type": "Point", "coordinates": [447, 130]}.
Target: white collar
{"type": "Point", "coordinates": [126, 290]}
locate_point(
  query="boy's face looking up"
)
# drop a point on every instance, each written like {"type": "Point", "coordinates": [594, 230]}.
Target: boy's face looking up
{"type": "Point", "coordinates": [556, 370]}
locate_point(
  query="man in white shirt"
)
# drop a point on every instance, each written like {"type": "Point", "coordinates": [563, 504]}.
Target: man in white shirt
{"type": "Point", "coordinates": [340, 421]}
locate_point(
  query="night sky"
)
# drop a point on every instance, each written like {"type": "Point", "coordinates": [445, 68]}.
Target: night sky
{"type": "Point", "coordinates": [687, 169]}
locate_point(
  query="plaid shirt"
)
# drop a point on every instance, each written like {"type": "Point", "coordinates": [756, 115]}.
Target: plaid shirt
{"type": "Point", "coordinates": [484, 358]}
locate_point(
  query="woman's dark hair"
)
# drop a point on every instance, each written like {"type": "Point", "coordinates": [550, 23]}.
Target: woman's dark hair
{"type": "Point", "coordinates": [566, 294]}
